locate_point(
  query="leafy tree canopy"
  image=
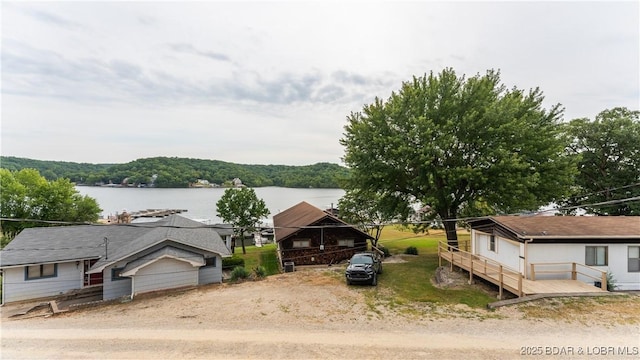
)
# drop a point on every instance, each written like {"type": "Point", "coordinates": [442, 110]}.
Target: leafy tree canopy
{"type": "Point", "coordinates": [460, 146]}
{"type": "Point", "coordinates": [371, 211]}
{"type": "Point", "coordinates": [25, 194]}
{"type": "Point", "coordinates": [242, 208]}
{"type": "Point", "coordinates": [608, 155]}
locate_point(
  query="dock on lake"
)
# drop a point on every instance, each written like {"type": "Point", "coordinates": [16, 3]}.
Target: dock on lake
{"type": "Point", "coordinates": [154, 213]}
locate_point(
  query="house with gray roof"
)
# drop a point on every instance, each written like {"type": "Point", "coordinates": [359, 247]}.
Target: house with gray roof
{"type": "Point", "coordinates": [123, 259]}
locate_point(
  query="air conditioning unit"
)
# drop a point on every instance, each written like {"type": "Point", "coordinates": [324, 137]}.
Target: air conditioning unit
{"type": "Point", "coordinates": [289, 266]}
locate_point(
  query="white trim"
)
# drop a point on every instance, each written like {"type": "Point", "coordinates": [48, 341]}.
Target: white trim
{"type": "Point", "coordinates": [133, 271]}
{"type": "Point", "coordinates": [102, 267]}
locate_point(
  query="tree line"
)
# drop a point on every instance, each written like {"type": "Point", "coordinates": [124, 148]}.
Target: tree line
{"type": "Point", "coordinates": [173, 172]}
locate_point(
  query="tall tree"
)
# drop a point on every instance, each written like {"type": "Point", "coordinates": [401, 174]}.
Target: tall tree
{"type": "Point", "coordinates": [608, 153]}
{"type": "Point", "coordinates": [25, 194]}
{"type": "Point", "coordinates": [242, 208]}
{"type": "Point", "coordinates": [371, 211]}
{"type": "Point", "coordinates": [459, 146]}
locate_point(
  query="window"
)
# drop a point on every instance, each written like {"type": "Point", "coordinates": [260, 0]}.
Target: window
{"type": "Point", "coordinates": [492, 243]}
{"type": "Point", "coordinates": [40, 271]}
{"type": "Point", "coordinates": [115, 274]}
{"type": "Point", "coordinates": [346, 242]}
{"type": "Point", "coordinates": [596, 256]}
{"type": "Point", "coordinates": [634, 259]}
{"type": "Point", "coordinates": [210, 262]}
{"type": "Point", "coordinates": [301, 243]}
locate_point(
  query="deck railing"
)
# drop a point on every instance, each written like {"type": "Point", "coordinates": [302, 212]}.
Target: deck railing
{"type": "Point", "coordinates": [488, 269]}
{"type": "Point", "coordinates": [572, 268]}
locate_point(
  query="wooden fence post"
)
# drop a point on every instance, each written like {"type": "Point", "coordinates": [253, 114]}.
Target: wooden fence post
{"type": "Point", "coordinates": [471, 273]}
{"type": "Point", "coordinates": [603, 286]}
{"type": "Point", "coordinates": [574, 275]}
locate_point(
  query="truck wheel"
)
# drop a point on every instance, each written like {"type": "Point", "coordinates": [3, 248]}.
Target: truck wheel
{"type": "Point", "coordinates": [380, 269]}
{"type": "Point", "coordinates": [374, 281]}
{"type": "Point", "coordinates": [348, 282]}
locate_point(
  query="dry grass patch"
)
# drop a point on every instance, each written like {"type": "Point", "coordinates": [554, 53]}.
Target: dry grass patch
{"type": "Point", "coordinates": [606, 310]}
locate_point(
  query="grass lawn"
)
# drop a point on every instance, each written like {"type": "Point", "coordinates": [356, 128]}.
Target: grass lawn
{"type": "Point", "coordinates": [411, 281]}
{"type": "Point", "coordinates": [260, 256]}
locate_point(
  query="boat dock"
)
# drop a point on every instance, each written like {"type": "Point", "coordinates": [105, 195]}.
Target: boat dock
{"type": "Point", "coordinates": [154, 213]}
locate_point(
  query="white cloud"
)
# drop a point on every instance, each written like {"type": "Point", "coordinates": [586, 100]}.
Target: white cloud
{"type": "Point", "coordinates": [262, 82]}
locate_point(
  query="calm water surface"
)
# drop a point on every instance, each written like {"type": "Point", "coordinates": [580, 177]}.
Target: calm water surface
{"type": "Point", "coordinates": [201, 203]}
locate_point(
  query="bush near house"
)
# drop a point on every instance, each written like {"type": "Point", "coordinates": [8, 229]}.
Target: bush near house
{"type": "Point", "coordinates": [232, 262]}
{"type": "Point", "coordinates": [411, 250]}
{"type": "Point", "coordinates": [239, 273]}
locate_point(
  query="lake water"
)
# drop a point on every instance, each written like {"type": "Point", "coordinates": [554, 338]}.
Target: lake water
{"type": "Point", "coordinates": [200, 203]}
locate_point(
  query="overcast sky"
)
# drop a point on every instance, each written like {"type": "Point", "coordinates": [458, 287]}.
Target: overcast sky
{"type": "Point", "coordinates": [273, 83]}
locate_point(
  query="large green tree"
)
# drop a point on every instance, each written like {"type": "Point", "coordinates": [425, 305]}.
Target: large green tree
{"type": "Point", "coordinates": [25, 194]}
{"type": "Point", "coordinates": [242, 208]}
{"type": "Point", "coordinates": [608, 153]}
{"type": "Point", "coordinates": [371, 212]}
{"type": "Point", "coordinates": [462, 146]}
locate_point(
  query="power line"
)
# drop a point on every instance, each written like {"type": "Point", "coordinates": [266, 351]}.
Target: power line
{"type": "Point", "coordinates": [607, 190]}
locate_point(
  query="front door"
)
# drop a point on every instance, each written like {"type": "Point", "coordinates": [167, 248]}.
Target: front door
{"type": "Point", "coordinates": [91, 279]}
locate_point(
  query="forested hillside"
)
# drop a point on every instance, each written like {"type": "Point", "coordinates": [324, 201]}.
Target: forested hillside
{"type": "Point", "coordinates": [181, 172]}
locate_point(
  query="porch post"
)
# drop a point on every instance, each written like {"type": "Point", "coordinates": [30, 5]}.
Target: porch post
{"type": "Point", "coordinates": [574, 275]}
{"type": "Point", "coordinates": [500, 277]}
{"type": "Point", "coordinates": [471, 272]}
{"type": "Point", "coordinates": [604, 281]}
{"type": "Point", "coordinates": [533, 272]}
{"type": "Point", "coordinates": [520, 286]}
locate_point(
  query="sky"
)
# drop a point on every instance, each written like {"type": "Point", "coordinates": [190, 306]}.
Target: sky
{"type": "Point", "coordinates": [273, 82]}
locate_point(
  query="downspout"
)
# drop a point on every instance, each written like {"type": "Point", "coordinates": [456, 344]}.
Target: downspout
{"type": "Point", "coordinates": [133, 285]}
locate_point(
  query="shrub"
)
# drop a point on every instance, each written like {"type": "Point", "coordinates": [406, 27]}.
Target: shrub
{"type": "Point", "coordinates": [260, 271]}
{"type": "Point", "coordinates": [411, 250]}
{"type": "Point", "coordinates": [239, 272]}
{"type": "Point", "coordinates": [384, 250]}
{"type": "Point", "coordinates": [611, 282]}
{"type": "Point", "coordinates": [232, 262]}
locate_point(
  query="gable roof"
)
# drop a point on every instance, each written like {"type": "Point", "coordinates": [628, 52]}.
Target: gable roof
{"type": "Point", "coordinates": [166, 252]}
{"type": "Point", "coordinates": [293, 219]}
{"type": "Point", "coordinates": [68, 243]}
{"type": "Point", "coordinates": [563, 227]}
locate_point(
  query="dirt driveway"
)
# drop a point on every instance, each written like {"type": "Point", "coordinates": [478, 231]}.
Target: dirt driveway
{"type": "Point", "coordinates": [308, 315]}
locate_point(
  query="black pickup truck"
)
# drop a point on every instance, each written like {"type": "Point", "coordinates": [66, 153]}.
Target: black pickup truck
{"type": "Point", "coordinates": [364, 268]}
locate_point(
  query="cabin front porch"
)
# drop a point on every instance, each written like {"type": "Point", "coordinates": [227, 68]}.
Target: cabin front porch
{"type": "Point", "coordinates": [515, 283]}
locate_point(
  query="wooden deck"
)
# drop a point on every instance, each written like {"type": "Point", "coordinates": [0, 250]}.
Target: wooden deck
{"type": "Point", "coordinates": [509, 279]}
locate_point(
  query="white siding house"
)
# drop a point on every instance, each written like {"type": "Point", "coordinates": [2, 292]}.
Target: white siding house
{"type": "Point", "coordinates": [43, 280]}
{"type": "Point", "coordinates": [122, 259]}
{"type": "Point", "coordinates": [552, 244]}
